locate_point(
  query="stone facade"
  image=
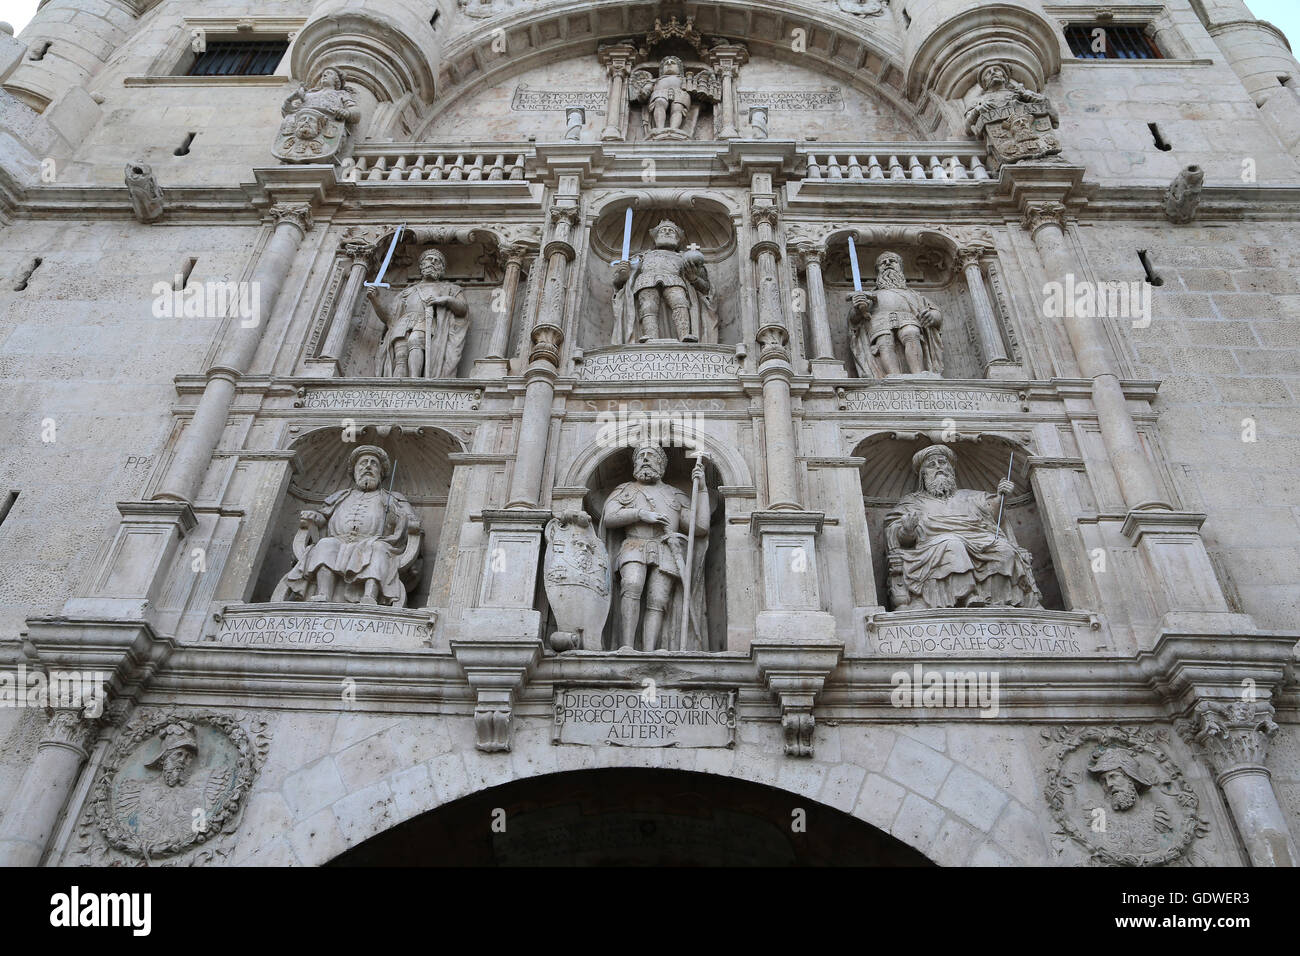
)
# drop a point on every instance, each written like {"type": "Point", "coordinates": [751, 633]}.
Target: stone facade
{"type": "Point", "coordinates": [944, 448]}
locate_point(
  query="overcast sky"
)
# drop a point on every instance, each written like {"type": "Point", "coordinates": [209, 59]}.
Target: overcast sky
{"type": "Point", "coordinates": [1282, 13]}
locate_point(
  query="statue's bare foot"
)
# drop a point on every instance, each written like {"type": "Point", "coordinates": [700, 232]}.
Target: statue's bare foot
{"type": "Point", "coordinates": [320, 597]}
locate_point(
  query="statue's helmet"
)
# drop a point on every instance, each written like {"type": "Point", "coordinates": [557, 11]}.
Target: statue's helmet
{"type": "Point", "coordinates": [1106, 759]}
{"type": "Point", "coordinates": [373, 450]}
{"type": "Point", "coordinates": [177, 735]}
{"type": "Point", "coordinates": [667, 225]}
{"type": "Point", "coordinates": [660, 456]}
{"type": "Point", "coordinates": [920, 458]}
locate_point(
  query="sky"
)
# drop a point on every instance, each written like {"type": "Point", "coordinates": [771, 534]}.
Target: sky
{"type": "Point", "coordinates": [1284, 14]}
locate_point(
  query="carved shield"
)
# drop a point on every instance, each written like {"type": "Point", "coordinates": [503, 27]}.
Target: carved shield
{"type": "Point", "coordinates": [310, 136]}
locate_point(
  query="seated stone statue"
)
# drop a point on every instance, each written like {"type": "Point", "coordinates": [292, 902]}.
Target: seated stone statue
{"type": "Point", "coordinates": [945, 549]}
{"type": "Point", "coordinates": [361, 543]}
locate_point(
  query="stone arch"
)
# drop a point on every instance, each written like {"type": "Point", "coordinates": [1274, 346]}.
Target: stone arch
{"type": "Point", "coordinates": [732, 467]}
{"type": "Point", "coordinates": [922, 786]}
{"type": "Point", "coordinates": [861, 55]}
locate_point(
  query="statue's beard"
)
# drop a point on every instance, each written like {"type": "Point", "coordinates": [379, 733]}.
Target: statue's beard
{"type": "Point", "coordinates": [1123, 798]}
{"type": "Point", "coordinates": [368, 482]}
{"type": "Point", "coordinates": [647, 475]}
{"type": "Point", "coordinates": [941, 486]}
{"type": "Point", "coordinates": [891, 279]}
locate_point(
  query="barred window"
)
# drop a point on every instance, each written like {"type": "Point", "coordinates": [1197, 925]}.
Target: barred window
{"type": "Point", "coordinates": [239, 58]}
{"type": "Point", "coordinates": [1097, 41]}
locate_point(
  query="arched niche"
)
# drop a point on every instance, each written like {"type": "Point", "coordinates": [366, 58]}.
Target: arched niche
{"type": "Point", "coordinates": [707, 222]}
{"type": "Point", "coordinates": [476, 261]}
{"type": "Point", "coordinates": [981, 462]}
{"type": "Point", "coordinates": [931, 267]}
{"type": "Point", "coordinates": [614, 468]}
{"type": "Point", "coordinates": [423, 470]}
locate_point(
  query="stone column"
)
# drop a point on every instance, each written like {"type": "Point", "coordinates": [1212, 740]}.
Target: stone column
{"type": "Point", "coordinates": [727, 59]}
{"type": "Point", "coordinates": [544, 362]}
{"type": "Point", "coordinates": [34, 810]}
{"type": "Point", "coordinates": [811, 257]}
{"type": "Point", "coordinates": [774, 367]}
{"type": "Point", "coordinates": [1045, 222]}
{"type": "Point", "coordinates": [618, 59]}
{"type": "Point", "coordinates": [1234, 736]}
{"type": "Point", "coordinates": [986, 323]}
{"type": "Point", "coordinates": [358, 250]}
{"type": "Point", "coordinates": [200, 439]}
{"type": "Point", "coordinates": [513, 256]}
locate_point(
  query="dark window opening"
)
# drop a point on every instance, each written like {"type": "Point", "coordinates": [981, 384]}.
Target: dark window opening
{"type": "Point", "coordinates": [182, 279]}
{"type": "Point", "coordinates": [433, 20]}
{"type": "Point", "coordinates": [239, 58]}
{"type": "Point", "coordinates": [1152, 276]}
{"type": "Point", "coordinates": [1287, 81]}
{"type": "Point", "coordinates": [25, 274]}
{"type": "Point", "coordinates": [38, 51]}
{"type": "Point", "coordinates": [184, 148]}
{"type": "Point", "coordinates": [1096, 41]}
{"type": "Point", "coordinates": [1162, 144]}
{"type": "Point", "coordinates": [7, 505]}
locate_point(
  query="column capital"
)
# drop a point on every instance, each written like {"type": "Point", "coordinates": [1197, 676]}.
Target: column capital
{"type": "Point", "coordinates": [807, 252]}
{"type": "Point", "coordinates": [1234, 734]}
{"type": "Point", "coordinates": [764, 213]}
{"type": "Point", "coordinates": [618, 58]}
{"type": "Point", "coordinates": [1036, 215]}
{"type": "Point", "coordinates": [295, 213]}
{"type": "Point", "coordinates": [357, 248]}
{"type": "Point", "coordinates": [72, 729]}
{"type": "Point", "coordinates": [513, 253]}
{"type": "Point", "coordinates": [971, 255]}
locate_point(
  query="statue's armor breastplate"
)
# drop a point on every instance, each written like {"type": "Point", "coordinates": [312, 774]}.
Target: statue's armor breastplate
{"type": "Point", "coordinates": [658, 497]}
{"type": "Point", "coordinates": [360, 515]}
{"type": "Point", "coordinates": [668, 88]}
{"type": "Point", "coordinates": [896, 308]}
{"type": "Point", "coordinates": [660, 267]}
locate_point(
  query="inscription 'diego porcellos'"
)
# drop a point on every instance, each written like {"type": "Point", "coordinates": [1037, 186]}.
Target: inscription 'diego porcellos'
{"type": "Point", "coordinates": [664, 717]}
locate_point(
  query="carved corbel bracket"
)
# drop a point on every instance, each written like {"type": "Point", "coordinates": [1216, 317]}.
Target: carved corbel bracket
{"type": "Point", "coordinates": [497, 670]}
{"type": "Point", "coordinates": [795, 672]}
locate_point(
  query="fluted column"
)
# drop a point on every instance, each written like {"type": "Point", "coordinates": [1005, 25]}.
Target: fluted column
{"type": "Point", "coordinates": [199, 441]}
{"type": "Point", "coordinates": [513, 256]}
{"type": "Point", "coordinates": [1137, 480]}
{"type": "Point", "coordinates": [811, 257]}
{"type": "Point", "coordinates": [358, 251]}
{"type": "Point", "coordinates": [544, 362]}
{"type": "Point", "coordinates": [35, 809]}
{"type": "Point", "coordinates": [986, 323]}
{"type": "Point", "coordinates": [1234, 736]}
{"type": "Point", "coordinates": [618, 59]}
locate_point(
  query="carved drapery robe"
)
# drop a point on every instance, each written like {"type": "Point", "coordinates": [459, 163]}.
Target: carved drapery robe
{"type": "Point", "coordinates": [351, 545]}
{"type": "Point", "coordinates": [959, 559]}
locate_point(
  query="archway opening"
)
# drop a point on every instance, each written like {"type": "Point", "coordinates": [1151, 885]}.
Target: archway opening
{"type": "Point", "coordinates": [632, 817]}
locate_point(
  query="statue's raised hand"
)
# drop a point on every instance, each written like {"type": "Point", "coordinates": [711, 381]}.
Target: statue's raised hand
{"type": "Point", "coordinates": [1006, 487]}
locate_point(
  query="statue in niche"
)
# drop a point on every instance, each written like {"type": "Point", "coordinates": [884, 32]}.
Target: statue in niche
{"type": "Point", "coordinates": [360, 545]}
{"type": "Point", "coordinates": [947, 548]}
{"type": "Point", "coordinates": [318, 122]}
{"type": "Point", "coordinates": [893, 330]}
{"type": "Point", "coordinates": [1015, 122]}
{"type": "Point", "coordinates": [673, 97]}
{"type": "Point", "coordinates": [425, 332]}
{"type": "Point", "coordinates": [665, 275]}
{"type": "Point", "coordinates": [655, 520]}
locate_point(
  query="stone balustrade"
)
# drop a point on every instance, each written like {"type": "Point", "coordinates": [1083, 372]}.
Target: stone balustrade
{"type": "Point", "coordinates": [897, 163]}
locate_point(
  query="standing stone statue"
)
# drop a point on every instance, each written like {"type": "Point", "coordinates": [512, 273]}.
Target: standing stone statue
{"type": "Point", "coordinates": [146, 195]}
{"type": "Point", "coordinates": [665, 276]}
{"type": "Point", "coordinates": [425, 332]}
{"type": "Point", "coordinates": [361, 543]}
{"type": "Point", "coordinates": [1015, 122]}
{"type": "Point", "coordinates": [670, 95]}
{"type": "Point", "coordinates": [318, 122]}
{"type": "Point", "coordinates": [894, 330]}
{"type": "Point", "coordinates": [655, 519]}
{"type": "Point", "coordinates": [945, 548]}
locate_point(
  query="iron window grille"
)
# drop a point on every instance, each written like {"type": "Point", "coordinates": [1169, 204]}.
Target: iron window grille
{"type": "Point", "coordinates": [1116, 42]}
{"type": "Point", "coordinates": [239, 58]}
